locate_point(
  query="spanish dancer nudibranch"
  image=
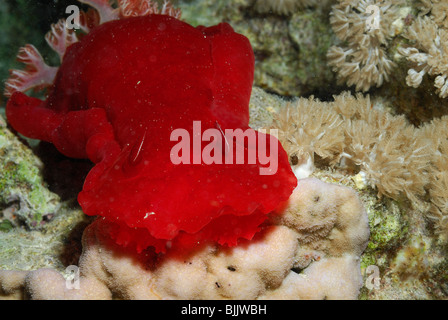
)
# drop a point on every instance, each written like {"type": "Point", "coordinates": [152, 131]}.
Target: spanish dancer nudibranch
{"type": "Point", "coordinates": [133, 76]}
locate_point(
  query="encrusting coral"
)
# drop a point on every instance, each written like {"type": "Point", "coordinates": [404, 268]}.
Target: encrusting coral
{"type": "Point", "coordinates": [310, 251]}
{"type": "Point", "coordinates": [23, 193]}
{"type": "Point", "coordinates": [358, 135]}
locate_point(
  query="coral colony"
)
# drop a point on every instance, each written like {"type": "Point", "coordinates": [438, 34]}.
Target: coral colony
{"type": "Point", "coordinates": [193, 203]}
{"type": "Point", "coordinates": [110, 103]}
{"type": "Point", "coordinates": [323, 231]}
{"type": "Point", "coordinates": [363, 58]}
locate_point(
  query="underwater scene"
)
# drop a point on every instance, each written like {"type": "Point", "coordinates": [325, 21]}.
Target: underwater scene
{"type": "Point", "coordinates": [223, 150]}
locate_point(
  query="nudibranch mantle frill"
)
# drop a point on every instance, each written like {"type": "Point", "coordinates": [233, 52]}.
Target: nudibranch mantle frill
{"type": "Point", "coordinates": [116, 98]}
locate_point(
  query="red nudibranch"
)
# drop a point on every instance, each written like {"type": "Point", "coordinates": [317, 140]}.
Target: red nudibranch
{"type": "Point", "coordinates": [137, 74]}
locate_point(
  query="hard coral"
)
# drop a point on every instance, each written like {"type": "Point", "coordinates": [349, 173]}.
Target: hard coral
{"type": "Point", "coordinates": [119, 95]}
{"type": "Point", "coordinates": [361, 58]}
{"type": "Point", "coordinates": [322, 233]}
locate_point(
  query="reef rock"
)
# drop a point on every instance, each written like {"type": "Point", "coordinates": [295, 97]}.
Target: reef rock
{"type": "Point", "coordinates": [310, 251]}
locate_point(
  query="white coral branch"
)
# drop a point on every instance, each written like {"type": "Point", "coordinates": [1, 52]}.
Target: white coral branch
{"type": "Point", "coordinates": [36, 73]}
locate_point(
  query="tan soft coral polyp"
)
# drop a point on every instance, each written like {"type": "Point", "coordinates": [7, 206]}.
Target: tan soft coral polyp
{"type": "Point", "coordinates": [360, 59]}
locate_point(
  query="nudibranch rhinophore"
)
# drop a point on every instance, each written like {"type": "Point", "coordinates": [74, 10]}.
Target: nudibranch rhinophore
{"type": "Point", "coordinates": [137, 74]}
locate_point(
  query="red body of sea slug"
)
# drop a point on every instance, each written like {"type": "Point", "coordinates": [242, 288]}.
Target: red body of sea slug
{"type": "Point", "coordinates": [119, 93]}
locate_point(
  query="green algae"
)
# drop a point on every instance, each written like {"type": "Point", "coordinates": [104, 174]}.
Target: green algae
{"type": "Point", "coordinates": [387, 227]}
{"type": "Point", "coordinates": [6, 226]}
{"type": "Point", "coordinates": [44, 248]}
{"type": "Point", "coordinates": [35, 226]}
{"type": "Point", "coordinates": [21, 182]}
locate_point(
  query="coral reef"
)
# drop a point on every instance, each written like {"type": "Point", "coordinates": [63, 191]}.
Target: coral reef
{"type": "Point", "coordinates": [408, 239]}
{"type": "Point", "coordinates": [291, 62]}
{"type": "Point", "coordinates": [35, 224]}
{"type": "Point", "coordinates": [24, 197]}
{"type": "Point", "coordinates": [436, 132]}
{"type": "Point", "coordinates": [54, 245]}
{"type": "Point", "coordinates": [397, 164]}
{"type": "Point", "coordinates": [382, 150]}
{"type": "Point", "coordinates": [412, 264]}
{"type": "Point", "coordinates": [366, 55]}
{"type": "Point", "coordinates": [309, 252]}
